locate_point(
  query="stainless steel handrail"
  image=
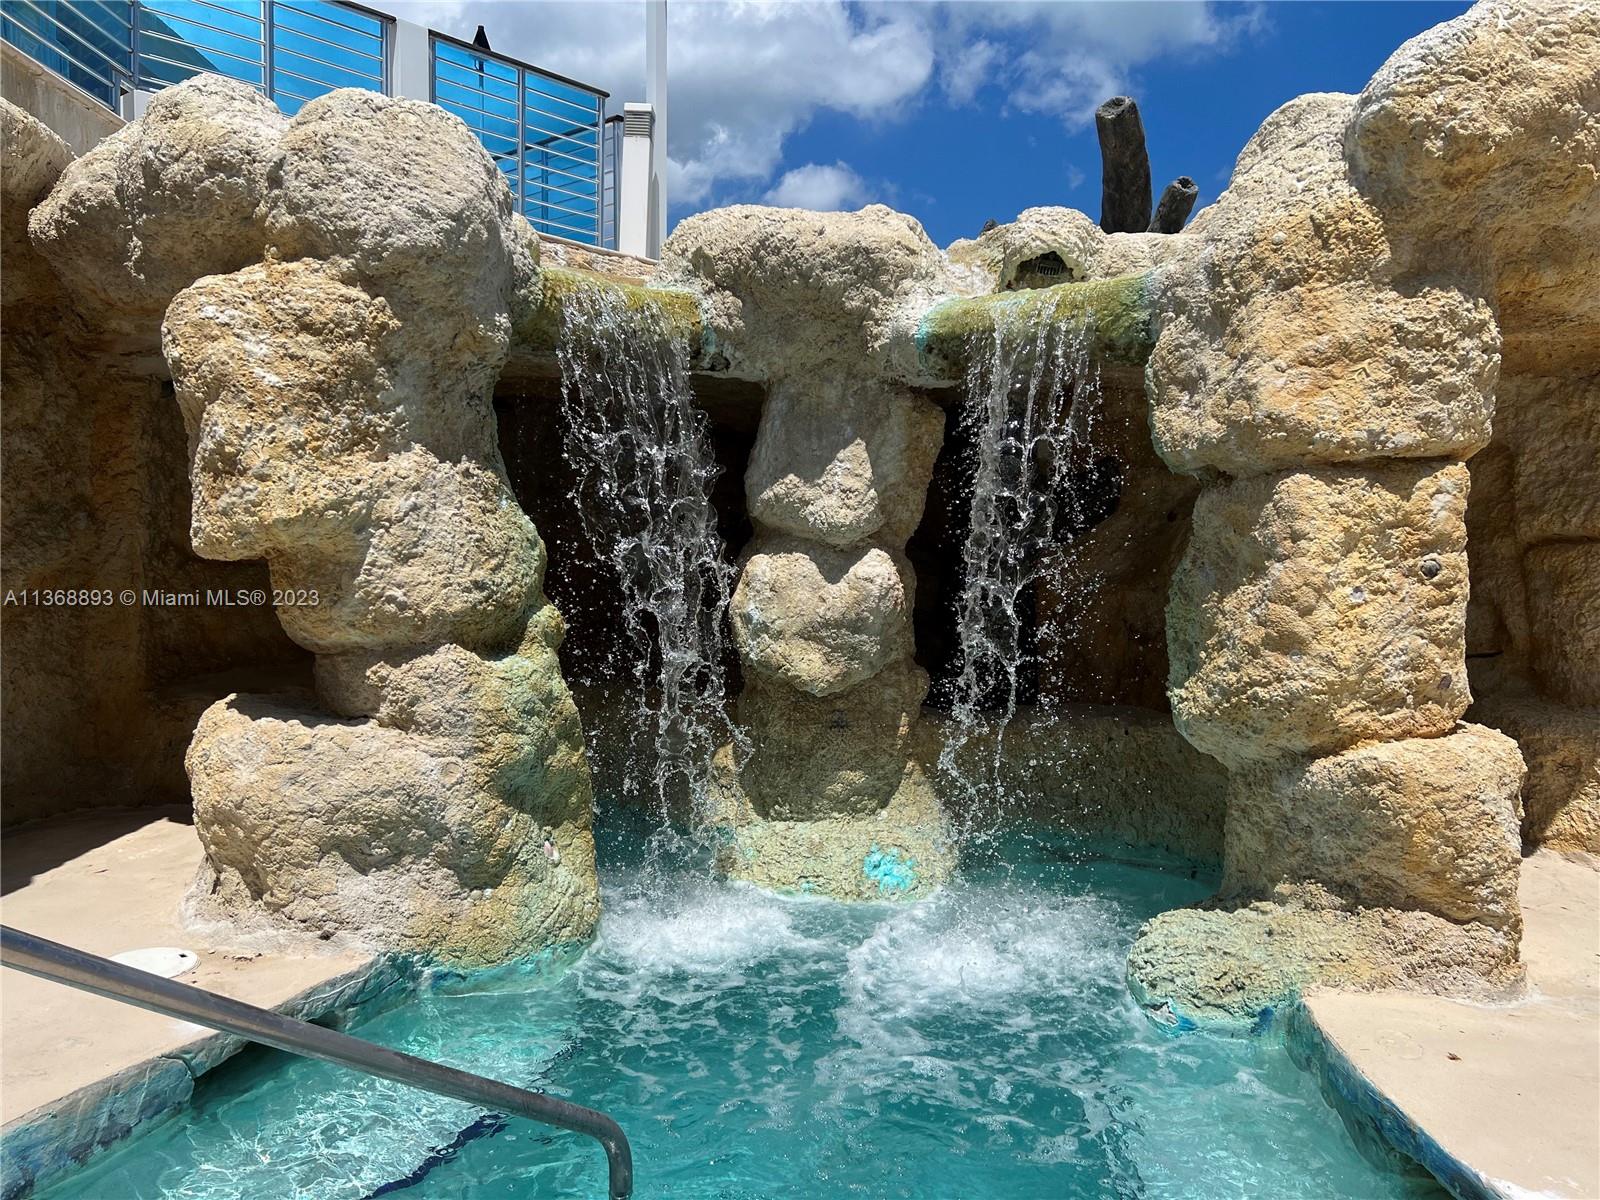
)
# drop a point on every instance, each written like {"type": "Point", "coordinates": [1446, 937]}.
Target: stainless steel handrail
{"type": "Point", "coordinates": [91, 973]}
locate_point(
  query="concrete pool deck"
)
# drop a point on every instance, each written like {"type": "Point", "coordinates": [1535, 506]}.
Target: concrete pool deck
{"type": "Point", "coordinates": [78, 1070]}
{"type": "Point", "coordinates": [1510, 1092]}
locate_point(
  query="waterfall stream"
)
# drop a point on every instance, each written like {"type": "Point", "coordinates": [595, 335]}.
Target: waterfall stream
{"type": "Point", "coordinates": [644, 471]}
{"type": "Point", "coordinates": [1029, 406]}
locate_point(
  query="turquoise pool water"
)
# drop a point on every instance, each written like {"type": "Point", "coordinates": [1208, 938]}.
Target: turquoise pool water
{"type": "Point", "coordinates": [979, 1045]}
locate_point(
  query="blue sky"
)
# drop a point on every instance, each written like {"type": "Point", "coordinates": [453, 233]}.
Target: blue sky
{"type": "Point", "coordinates": [952, 112]}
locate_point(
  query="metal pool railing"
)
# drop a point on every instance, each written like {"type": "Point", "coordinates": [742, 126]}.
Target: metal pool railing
{"type": "Point", "coordinates": [91, 973]}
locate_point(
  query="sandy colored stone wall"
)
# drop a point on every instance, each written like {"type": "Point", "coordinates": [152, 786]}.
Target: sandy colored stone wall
{"type": "Point", "coordinates": [334, 297]}
{"type": "Point", "coordinates": [833, 792]}
{"type": "Point", "coordinates": [1330, 350]}
{"type": "Point", "coordinates": [100, 692]}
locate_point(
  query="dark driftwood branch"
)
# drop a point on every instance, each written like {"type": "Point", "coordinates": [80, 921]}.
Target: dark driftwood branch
{"type": "Point", "coordinates": [1176, 202]}
{"type": "Point", "coordinates": [1124, 167]}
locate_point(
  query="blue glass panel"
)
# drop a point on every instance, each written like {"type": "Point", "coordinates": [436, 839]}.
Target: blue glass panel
{"type": "Point", "coordinates": [448, 92]}
{"type": "Point", "coordinates": [316, 72]}
{"type": "Point", "coordinates": [449, 53]}
{"type": "Point", "coordinates": [35, 37]}
{"type": "Point", "coordinates": [345, 58]}
{"type": "Point", "coordinates": [203, 40]}
{"type": "Point", "coordinates": [305, 15]}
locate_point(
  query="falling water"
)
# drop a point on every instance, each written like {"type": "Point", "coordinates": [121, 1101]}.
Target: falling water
{"type": "Point", "coordinates": [1029, 406]}
{"type": "Point", "coordinates": [644, 471]}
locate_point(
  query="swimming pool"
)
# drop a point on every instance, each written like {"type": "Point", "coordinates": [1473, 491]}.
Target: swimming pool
{"type": "Point", "coordinates": [981, 1044]}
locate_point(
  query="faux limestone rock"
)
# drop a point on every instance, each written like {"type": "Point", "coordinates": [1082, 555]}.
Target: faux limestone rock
{"type": "Point", "coordinates": [1315, 609]}
{"type": "Point", "coordinates": [423, 829]}
{"type": "Point", "coordinates": [1233, 968]}
{"type": "Point", "coordinates": [34, 160]}
{"type": "Point", "coordinates": [1563, 581]}
{"type": "Point", "coordinates": [1479, 140]}
{"type": "Point", "coordinates": [164, 200]}
{"type": "Point", "coordinates": [404, 195]}
{"type": "Point", "coordinates": [785, 290]}
{"type": "Point", "coordinates": [993, 260]}
{"type": "Point", "coordinates": [315, 445]}
{"type": "Point", "coordinates": [841, 460]}
{"type": "Point", "coordinates": [1551, 426]}
{"type": "Point", "coordinates": [1420, 824]}
{"type": "Point", "coordinates": [1288, 336]}
{"type": "Point", "coordinates": [1561, 745]}
{"type": "Point", "coordinates": [821, 619]}
{"type": "Point", "coordinates": [847, 753]}
{"type": "Point", "coordinates": [902, 851]}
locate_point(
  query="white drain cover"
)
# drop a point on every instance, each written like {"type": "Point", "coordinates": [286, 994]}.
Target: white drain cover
{"type": "Point", "coordinates": [165, 961]}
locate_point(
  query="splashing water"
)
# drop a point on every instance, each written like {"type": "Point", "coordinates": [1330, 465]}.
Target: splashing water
{"type": "Point", "coordinates": [643, 495]}
{"type": "Point", "coordinates": [756, 1047]}
{"type": "Point", "coordinates": [1031, 396]}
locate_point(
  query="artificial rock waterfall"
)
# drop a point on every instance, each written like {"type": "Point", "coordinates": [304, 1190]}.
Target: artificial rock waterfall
{"type": "Point", "coordinates": [1356, 530]}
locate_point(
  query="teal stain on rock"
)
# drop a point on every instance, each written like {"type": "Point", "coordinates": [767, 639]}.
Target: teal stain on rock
{"type": "Point", "coordinates": [889, 871]}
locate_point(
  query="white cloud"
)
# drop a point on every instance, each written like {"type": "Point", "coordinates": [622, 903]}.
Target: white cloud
{"type": "Point", "coordinates": [744, 75]}
{"type": "Point", "coordinates": [819, 187]}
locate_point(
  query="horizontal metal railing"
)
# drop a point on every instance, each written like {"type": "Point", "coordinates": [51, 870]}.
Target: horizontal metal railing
{"type": "Point", "coordinates": [91, 973]}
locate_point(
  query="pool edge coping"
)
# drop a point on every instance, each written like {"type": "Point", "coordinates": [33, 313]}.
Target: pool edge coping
{"type": "Point", "coordinates": [38, 1146]}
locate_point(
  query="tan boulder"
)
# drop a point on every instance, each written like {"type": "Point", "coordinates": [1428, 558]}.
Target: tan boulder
{"type": "Point", "coordinates": [1233, 968]}
{"type": "Point", "coordinates": [845, 753]}
{"type": "Point", "coordinates": [902, 850]}
{"type": "Point", "coordinates": [1479, 140]}
{"type": "Point", "coordinates": [785, 290]}
{"type": "Point", "coordinates": [1315, 609]}
{"type": "Point", "coordinates": [1287, 335]}
{"type": "Point", "coordinates": [994, 260]}
{"type": "Point", "coordinates": [1420, 824]}
{"type": "Point", "coordinates": [403, 194]}
{"type": "Point", "coordinates": [840, 460]}
{"type": "Point", "coordinates": [422, 829]}
{"type": "Point", "coordinates": [1552, 426]}
{"type": "Point", "coordinates": [315, 446]}
{"type": "Point", "coordinates": [820, 619]}
{"type": "Point", "coordinates": [1563, 582]}
{"type": "Point", "coordinates": [163, 201]}
{"type": "Point", "coordinates": [34, 160]}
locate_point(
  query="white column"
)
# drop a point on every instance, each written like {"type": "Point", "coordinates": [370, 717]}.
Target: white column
{"type": "Point", "coordinates": [655, 95]}
{"type": "Point", "coordinates": [634, 190]}
{"type": "Point", "coordinates": [410, 72]}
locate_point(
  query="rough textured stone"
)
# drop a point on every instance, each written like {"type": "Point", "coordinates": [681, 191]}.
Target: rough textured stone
{"type": "Point", "coordinates": [993, 261]}
{"type": "Point", "coordinates": [1231, 968]}
{"type": "Point", "coordinates": [846, 753]}
{"type": "Point", "coordinates": [163, 201]}
{"type": "Point", "coordinates": [1421, 824]}
{"type": "Point", "coordinates": [1287, 335]}
{"type": "Point", "coordinates": [1103, 770]}
{"type": "Point", "coordinates": [900, 851]}
{"type": "Point", "coordinates": [34, 158]}
{"type": "Point", "coordinates": [842, 460]}
{"type": "Point", "coordinates": [99, 697]}
{"type": "Point", "coordinates": [1479, 140]}
{"type": "Point", "coordinates": [819, 619]}
{"type": "Point", "coordinates": [1563, 582]}
{"type": "Point", "coordinates": [1561, 745]}
{"type": "Point", "coordinates": [403, 194]}
{"type": "Point", "coordinates": [315, 445]}
{"type": "Point", "coordinates": [1315, 609]}
{"type": "Point", "coordinates": [1551, 425]}
{"type": "Point", "coordinates": [786, 289]}
{"type": "Point", "coordinates": [422, 829]}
